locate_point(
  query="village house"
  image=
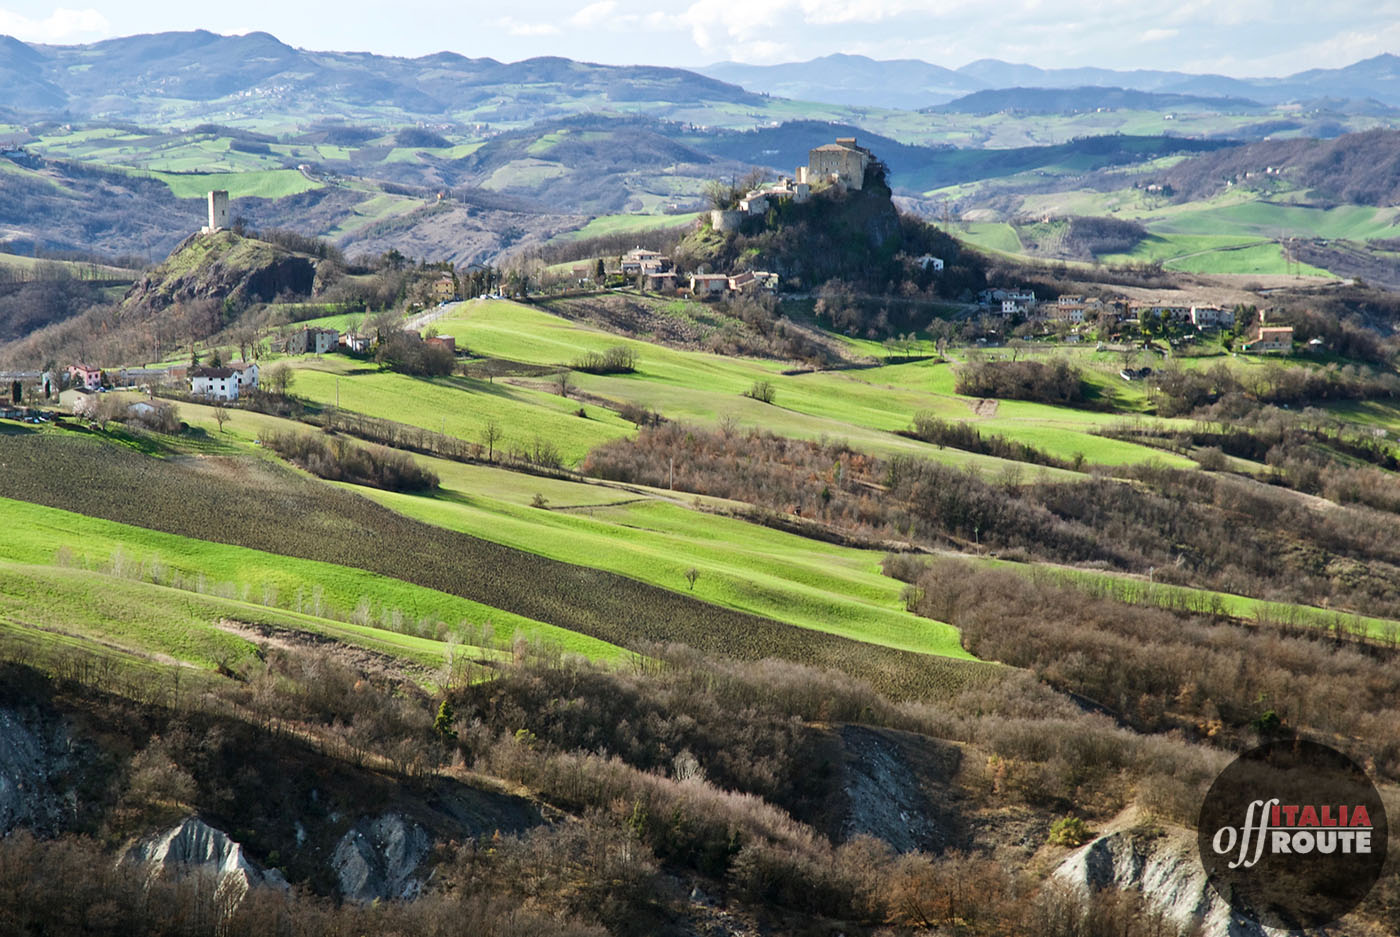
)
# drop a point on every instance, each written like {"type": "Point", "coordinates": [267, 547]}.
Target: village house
{"type": "Point", "coordinates": [708, 284]}
{"type": "Point", "coordinates": [659, 281]}
{"type": "Point", "coordinates": [214, 383]}
{"type": "Point", "coordinates": [743, 283]}
{"type": "Point", "coordinates": [1211, 317]}
{"type": "Point", "coordinates": [444, 288]}
{"type": "Point", "coordinates": [355, 342]}
{"type": "Point", "coordinates": [998, 296]}
{"type": "Point", "coordinates": [641, 261]}
{"type": "Point", "coordinates": [84, 377]}
{"type": "Point", "coordinates": [312, 341]}
{"type": "Point", "coordinates": [135, 377]}
{"type": "Point", "coordinates": [928, 261]}
{"type": "Point", "coordinates": [1270, 339]}
{"type": "Point", "coordinates": [443, 341]}
{"type": "Point", "coordinates": [247, 374]}
{"type": "Point", "coordinates": [1066, 309]}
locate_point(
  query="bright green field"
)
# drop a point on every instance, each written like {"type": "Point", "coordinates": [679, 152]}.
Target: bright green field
{"type": "Point", "coordinates": [1264, 258]}
{"type": "Point", "coordinates": [864, 407]}
{"type": "Point", "coordinates": [783, 576]}
{"type": "Point", "coordinates": [655, 537]}
{"type": "Point", "coordinates": [173, 625]}
{"type": "Point", "coordinates": [1162, 248]}
{"type": "Point", "coordinates": [1272, 220]}
{"type": "Point", "coordinates": [34, 534]}
{"type": "Point", "coordinates": [994, 235]}
{"type": "Point", "coordinates": [460, 406]}
{"type": "Point", "coordinates": [258, 183]}
{"type": "Point", "coordinates": [619, 224]}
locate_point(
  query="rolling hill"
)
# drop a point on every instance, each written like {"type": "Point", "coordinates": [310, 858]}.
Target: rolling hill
{"type": "Point", "coordinates": [183, 75]}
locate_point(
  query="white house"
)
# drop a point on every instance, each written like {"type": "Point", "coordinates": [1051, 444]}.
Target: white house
{"type": "Point", "coordinates": [247, 374]}
{"type": "Point", "coordinates": [928, 261]}
{"type": "Point", "coordinates": [214, 383]}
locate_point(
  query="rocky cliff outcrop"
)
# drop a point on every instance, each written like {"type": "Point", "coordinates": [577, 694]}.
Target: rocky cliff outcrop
{"type": "Point", "coordinates": [33, 760]}
{"type": "Point", "coordinates": [1164, 867]}
{"type": "Point", "coordinates": [193, 847]}
{"type": "Point", "coordinates": [222, 267]}
{"type": "Point", "coordinates": [377, 859]}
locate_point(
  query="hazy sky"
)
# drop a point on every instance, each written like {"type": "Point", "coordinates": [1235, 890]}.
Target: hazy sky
{"type": "Point", "coordinates": [1235, 37]}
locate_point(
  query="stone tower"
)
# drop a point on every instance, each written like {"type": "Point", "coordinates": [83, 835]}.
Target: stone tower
{"type": "Point", "coordinates": [218, 210]}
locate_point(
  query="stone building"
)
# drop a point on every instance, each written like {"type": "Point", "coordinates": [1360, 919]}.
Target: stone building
{"type": "Point", "coordinates": [843, 162]}
{"type": "Point", "coordinates": [218, 211]}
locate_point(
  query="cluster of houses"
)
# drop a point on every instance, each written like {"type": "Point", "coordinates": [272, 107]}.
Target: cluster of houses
{"type": "Point", "coordinates": [658, 273]}
{"type": "Point", "coordinates": [1076, 309]}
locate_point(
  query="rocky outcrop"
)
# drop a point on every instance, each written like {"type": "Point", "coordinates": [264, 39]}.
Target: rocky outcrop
{"type": "Point", "coordinates": [377, 859]}
{"type": "Point", "coordinates": [195, 848]}
{"type": "Point", "coordinates": [1164, 867]}
{"type": "Point", "coordinates": [33, 759]}
{"type": "Point", "coordinates": [222, 267]}
{"type": "Point", "coordinates": [897, 787]}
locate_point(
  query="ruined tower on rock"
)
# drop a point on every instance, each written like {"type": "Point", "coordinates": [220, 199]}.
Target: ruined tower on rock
{"type": "Point", "coordinates": [218, 211]}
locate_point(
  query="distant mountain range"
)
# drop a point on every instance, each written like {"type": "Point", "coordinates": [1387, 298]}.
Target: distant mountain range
{"type": "Point", "coordinates": [855, 80]}
{"type": "Point", "coordinates": [188, 74]}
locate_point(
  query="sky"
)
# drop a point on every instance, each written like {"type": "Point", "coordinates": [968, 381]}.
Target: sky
{"type": "Point", "coordinates": [1233, 37]}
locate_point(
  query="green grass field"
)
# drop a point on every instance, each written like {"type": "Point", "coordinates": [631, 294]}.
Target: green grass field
{"type": "Point", "coordinates": [460, 406]}
{"type": "Point", "coordinates": [656, 537]}
{"type": "Point", "coordinates": [1272, 220]}
{"type": "Point", "coordinates": [264, 183]}
{"type": "Point", "coordinates": [865, 407]}
{"type": "Point", "coordinates": [621, 224]}
{"type": "Point", "coordinates": [171, 625]}
{"type": "Point", "coordinates": [34, 535]}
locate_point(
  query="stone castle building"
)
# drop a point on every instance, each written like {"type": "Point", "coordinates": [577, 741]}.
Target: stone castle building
{"type": "Point", "coordinates": [843, 162]}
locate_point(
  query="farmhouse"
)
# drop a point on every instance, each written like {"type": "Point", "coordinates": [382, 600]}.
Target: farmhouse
{"type": "Point", "coordinates": [659, 282]}
{"type": "Point", "coordinates": [246, 373]}
{"type": "Point", "coordinates": [312, 341]}
{"type": "Point", "coordinates": [444, 288]}
{"type": "Point", "coordinates": [214, 383]}
{"type": "Point", "coordinates": [352, 341]}
{"type": "Point", "coordinates": [443, 341]}
{"type": "Point", "coordinates": [84, 377]}
{"type": "Point", "coordinates": [641, 261]}
{"type": "Point", "coordinates": [708, 284]}
{"type": "Point", "coordinates": [743, 282]}
{"type": "Point", "coordinates": [1211, 317]}
{"type": "Point", "coordinates": [1270, 339]}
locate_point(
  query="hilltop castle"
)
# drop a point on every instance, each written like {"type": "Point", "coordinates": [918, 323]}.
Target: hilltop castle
{"type": "Point", "coordinates": [841, 163]}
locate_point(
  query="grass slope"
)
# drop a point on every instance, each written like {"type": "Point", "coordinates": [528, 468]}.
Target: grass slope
{"type": "Point", "coordinates": [322, 590]}
{"type": "Point", "coordinates": [253, 504]}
